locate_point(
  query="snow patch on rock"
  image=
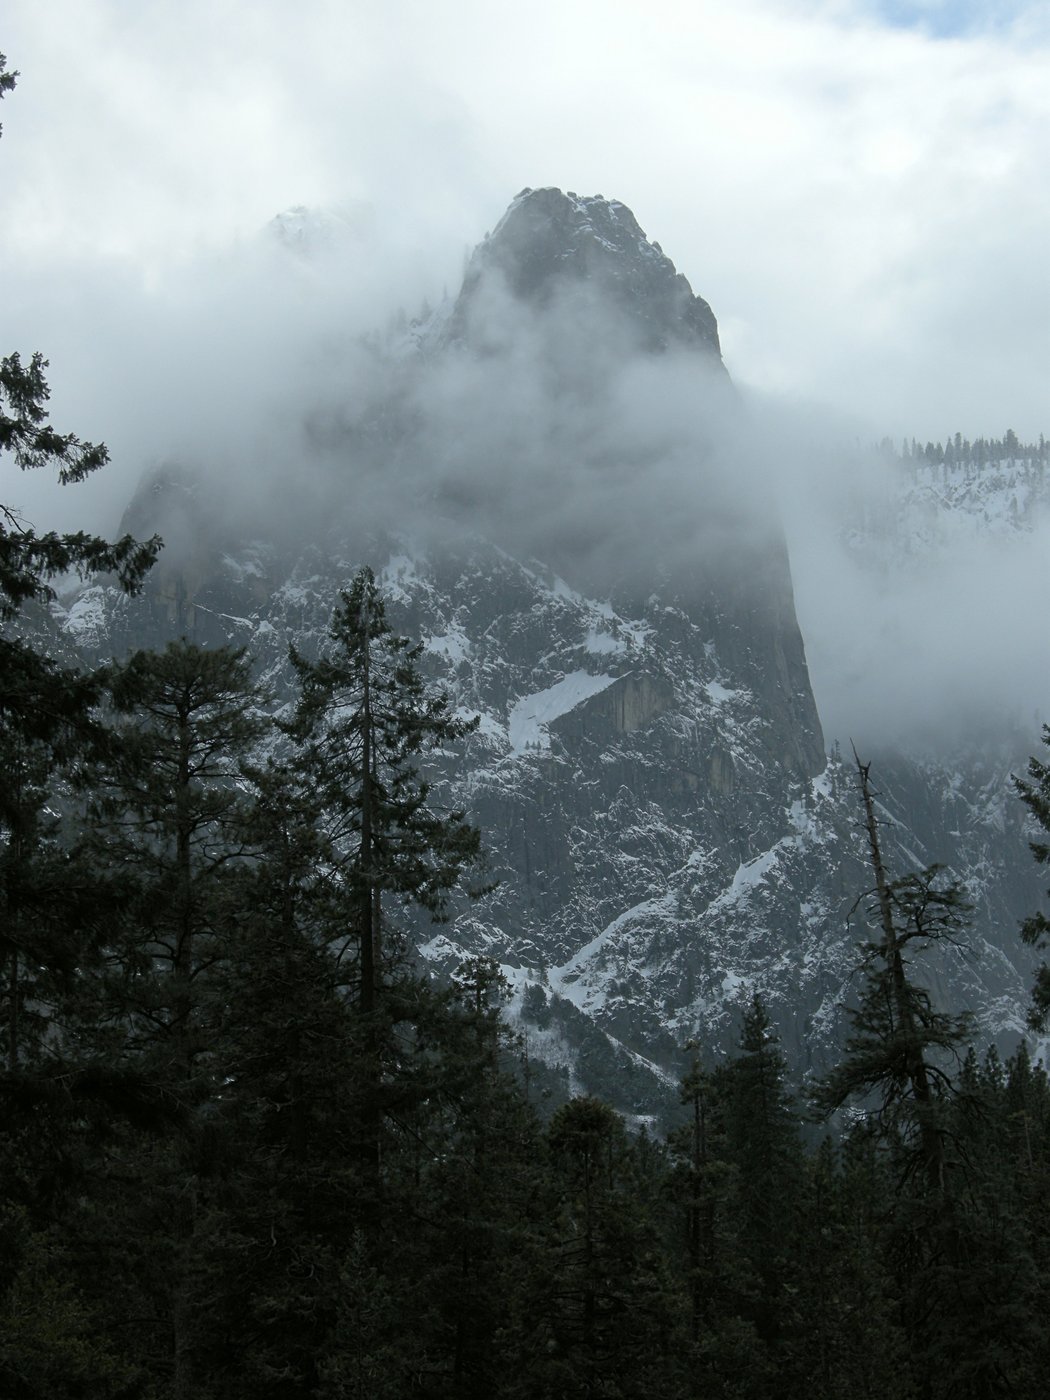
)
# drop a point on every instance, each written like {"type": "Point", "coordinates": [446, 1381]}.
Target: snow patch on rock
{"type": "Point", "coordinates": [528, 719]}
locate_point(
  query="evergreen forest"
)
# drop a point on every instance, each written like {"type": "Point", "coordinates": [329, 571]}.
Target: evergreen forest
{"type": "Point", "coordinates": [249, 1149]}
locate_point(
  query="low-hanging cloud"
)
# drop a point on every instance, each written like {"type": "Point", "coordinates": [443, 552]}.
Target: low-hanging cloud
{"type": "Point", "coordinates": [295, 385]}
{"type": "Point", "coordinates": [914, 635]}
{"type": "Point", "coordinates": [213, 363]}
{"type": "Point", "coordinates": [866, 204]}
{"type": "Point", "coordinates": [563, 439]}
{"type": "Point", "coordinates": [258, 365]}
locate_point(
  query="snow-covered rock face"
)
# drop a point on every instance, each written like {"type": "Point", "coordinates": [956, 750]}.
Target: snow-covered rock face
{"type": "Point", "coordinates": [658, 857]}
{"type": "Point", "coordinates": [667, 833]}
{"type": "Point", "coordinates": [920, 510]}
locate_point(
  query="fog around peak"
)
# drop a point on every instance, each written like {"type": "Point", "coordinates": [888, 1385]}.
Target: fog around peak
{"type": "Point", "coordinates": [295, 387]}
{"type": "Point", "coordinates": [862, 201]}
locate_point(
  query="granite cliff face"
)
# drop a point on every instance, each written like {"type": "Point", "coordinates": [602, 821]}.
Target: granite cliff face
{"type": "Point", "coordinates": [550, 246]}
{"type": "Point", "coordinates": [649, 770]}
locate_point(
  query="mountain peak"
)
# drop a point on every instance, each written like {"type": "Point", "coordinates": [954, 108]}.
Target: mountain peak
{"type": "Point", "coordinates": [550, 242]}
{"type": "Point", "coordinates": [306, 231]}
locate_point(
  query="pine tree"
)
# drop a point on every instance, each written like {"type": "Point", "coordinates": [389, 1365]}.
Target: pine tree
{"type": "Point", "coordinates": [763, 1147]}
{"type": "Point", "coordinates": [605, 1312]}
{"type": "Point", "coordinates": [706, 1235]}
{"type": "Point", "coordinates": [48, 713]}
{"type": "Point", "coordinates": [962, 1268]}
{"type": "Point", "coordinates": [167, 823]}
{"type": "Point", "coordinates": [53, 913]}
{"type": "Point", "coordinates": [988, 1342]}
{"type": "Point", "coordinates": [49, 1339]}
{"type": "Point", "coordinates": [692, 1145]}
{"type": "Point", "coordinates": [167, 819]}
{"type": "Point", "coordinates": [364, 723]}
{"type": "Point", "coordinates": [283, 1206]}
{"type": "Point", "coordinates": [899, 1038]}
{"type": "Point", "coordinates": [462, 1184]}
{"type": "Point", "coordinates": [848, 1342]}
{"type": "Point", "coordinates": [1034, 792]}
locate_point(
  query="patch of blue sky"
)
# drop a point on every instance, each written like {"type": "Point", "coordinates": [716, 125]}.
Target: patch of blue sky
{"type": "Point", "coordinates": [949, 19]}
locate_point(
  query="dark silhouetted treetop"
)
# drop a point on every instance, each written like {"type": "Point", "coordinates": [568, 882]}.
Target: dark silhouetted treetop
{"type": "Point", "coordinates": [896, 1051]}
{"type": "Point", "coordinates": [7, 79]}
{"type": "Point", "coordinates": [29, 560]}
{"type": "Point", "coordinates": [1034, 792]}
{"type": "Point", "coordinates": [25, 431]}
{"type": "Point", "coordinates": [366, 721]}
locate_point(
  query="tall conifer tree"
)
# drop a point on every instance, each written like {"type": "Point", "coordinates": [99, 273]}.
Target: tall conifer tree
{"type": "Point", "coordinates": [168, 823]}
{"type": "Point", "coordinates": [365, 722]}
{"type": "Point", "coordinates": [1034, 792]}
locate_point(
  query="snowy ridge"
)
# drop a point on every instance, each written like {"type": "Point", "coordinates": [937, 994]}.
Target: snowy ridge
{"type": "Point", "coordinates": [921, 511]}
{"type": "Point", "coordinates": [659, 858]}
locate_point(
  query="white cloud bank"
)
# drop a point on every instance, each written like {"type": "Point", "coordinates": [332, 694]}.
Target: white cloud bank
{"type": "Point", "coordinates": [866, 205]}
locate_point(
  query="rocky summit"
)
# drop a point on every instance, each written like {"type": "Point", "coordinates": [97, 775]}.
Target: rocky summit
{"type": "Point", "coordinates": [593, 574]}
{"type": "Point", "coordinates": [551, 246]}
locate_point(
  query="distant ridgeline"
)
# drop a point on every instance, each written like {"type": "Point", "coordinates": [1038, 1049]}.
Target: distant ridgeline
{"type": "Point", "coordinates": [979, 453]}
{"type": "Point", "coordinates": [937, 495]}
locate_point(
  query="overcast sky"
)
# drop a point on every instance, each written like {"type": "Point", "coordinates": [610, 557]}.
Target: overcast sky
{"type": "Point", "coordinates": [860, 188]}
